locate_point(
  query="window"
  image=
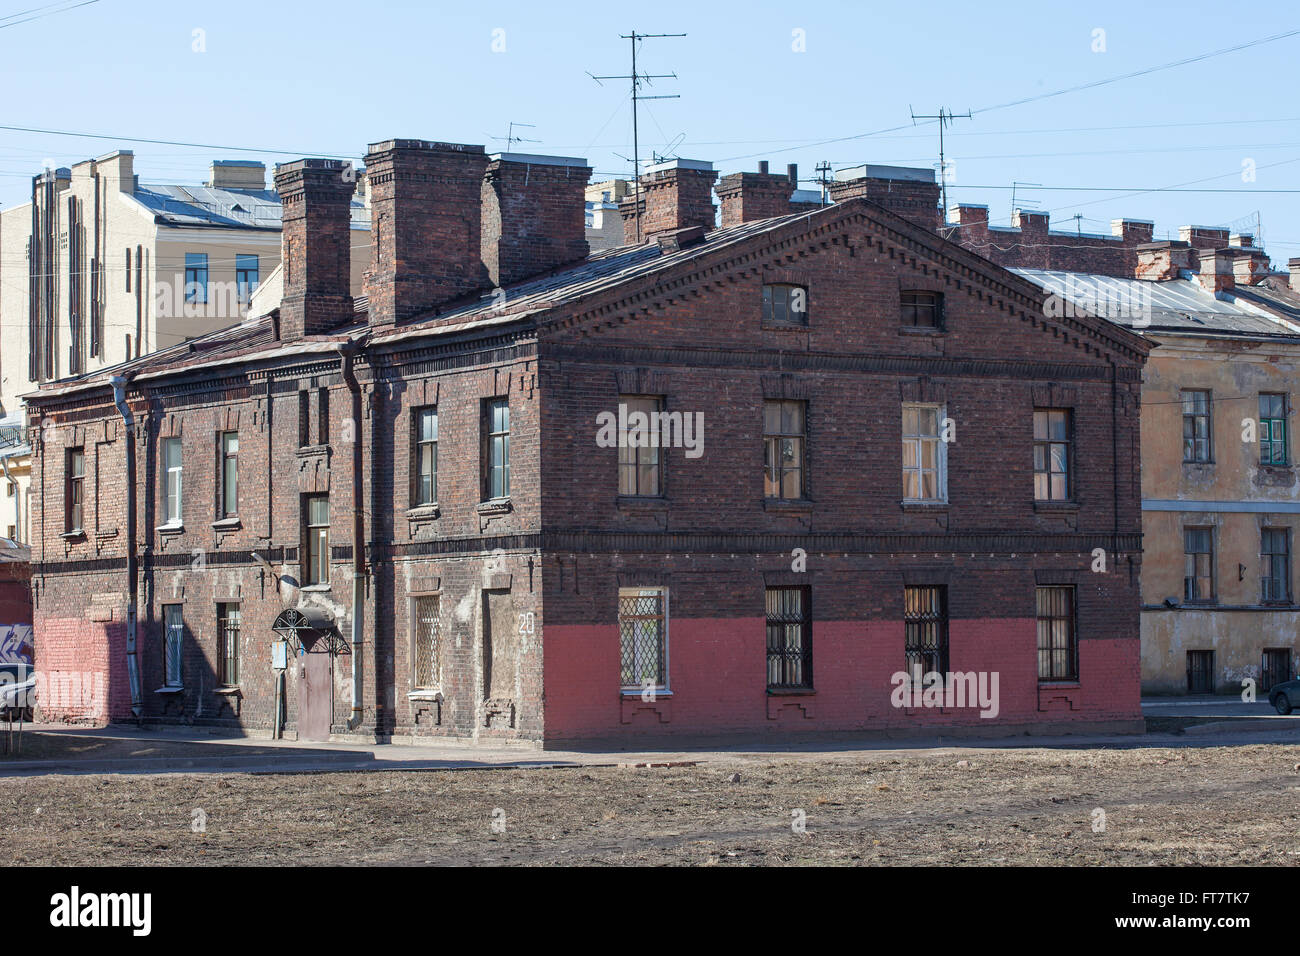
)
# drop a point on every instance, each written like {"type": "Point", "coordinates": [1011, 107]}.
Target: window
{"type": "Point", "coordinates": [922, 310]}
{"type": "Point", "coordinates": [785, 304]}
{"type": "Point", "coordinates": [426, 456]}
{"type": "Point", "coordinates": [1272, 429]}
{"type": "Point", "coordinates": [229, 499]}
{"type": "Point", "coordinates": [1052, 454]}
{"type": "Point", "coordinates": [925, 627]}
{"type": "Point", "coordinates": [924, 460]}
{"type": "Point", "coordinates": [316, 511]}
{"type": "Point", "coordinates": [1198, 580]}
{"type": "Point", "coordinates": [245, 276]}
{"type": "Point", "coordinates": [196, 277]}
{"type": "Point", "coordinates": [1275, 575]}
{"type": "Point", "coordinates": [643, 637]}
{"type": "Point", "coordinates": [172, 469]}
{"type": "Point", "coordinates": [425, 656]}
{"type": "Point", "coordinates": [173, 642]}
{"type": "Point", "coordinates": [1196, 425]}
{"type": "Point", "coordinates": [322, 416]}
{"type": "Point", "coordinates": [1200, 672]}
{"type": "Point", "coordinates": [128, 268]}
{"type": "Point", "coordinates": [497, 421]}
{"type": "Point", "coordinates": [1057, 639]}
{"type": "Point", "coordinates": [304, 418]}
{"type": "Point", "coordinates": [789, 638]}
{"type": "Point", "coordinates": [228, 644]}
{"type": "Point", "coordinates": [783, 441]}
{"type": "Point", "coordinates": [74, 494]}
{"type": "Point", "coordinates": [639, 462]}
{"type": "Point", "coordinates": [1276, 667]}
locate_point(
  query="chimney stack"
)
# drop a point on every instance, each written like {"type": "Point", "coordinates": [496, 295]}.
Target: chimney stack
{"type": "Point", "coordinates": [761, 195]}
{"type": "Point", "coordinates": [1203, 237]}
{"type": "Point", "coordinates": [676, 194]}
{"type": "Point", "coordinates": [904, 191]}
{"type": "Point", "coordinates": [533, 215]}
{"type": "Point", "coordinates": [245, 174]}
{"type": "Point", "coordinates": [1216, 273]}
{"type": "Point", "coordinates": [315, 244]}
{"type": "Point", "coordinates": [1293, 266]}
{"type": "Point", "coordinates": [1161, 260]}
{"type": "Point", "coordinates": [1134, 232]}
{"type": "Point", "coordinates": [425, 226]}
{"type": "Point", "coordinates": [1249, 264]}
{"type": "Point", "coordinates": [1031, 221]}
{"type": "Point", "coordinates": [974, 221]}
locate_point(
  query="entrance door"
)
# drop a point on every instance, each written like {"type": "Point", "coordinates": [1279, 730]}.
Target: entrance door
{"type": "Point", "coordinates": [1276, 669]}
{"type": "Point", "coordinates": [1200, 672]}
{"type": "Point", "coordinates": [316, 691]}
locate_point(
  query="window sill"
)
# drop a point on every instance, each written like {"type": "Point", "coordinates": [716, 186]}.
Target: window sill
{"type": "Point", "coordinates": [176, 528]}
{"type": "Point", "coordinates": [1049, 507]}
{"type": "Point", "coordinates": [791, 692]}
{"type": "Point", "coordinates": [634, 692]}
{"type": "Point", "coordinates": [924, 507]}
{"type": "Point", "coordinates": [783, 327]}
{"type": "Point", "coordinates": [229, 690]}
{"type": "Point", "coordinates": [317, 588]}
{"type": "Point", "coordinates": [76, 534]}
{"type": "Point", "coordinates": [425, 694]}
{"type": "Point", "coordinates": [788, 505]}
{"type": "Point", "coordinates": [641, 503]}
{"type": "Point", "coordinates": [920, 330]}
{"type": "Point", "coordinates": [226, 524]}
{"type": "Point", "coordinates": [424, 512]}
{"type": "Point", "coordinates": [1199, 464]}
{"type": "Point", "coordinates": [312, 451]}
{"type": "Point", "coordinates": [1059, 683]}
{"type": "Point", "coordinates": [169, 690]}
{"type": "Point", "coordinates": [495, 506]}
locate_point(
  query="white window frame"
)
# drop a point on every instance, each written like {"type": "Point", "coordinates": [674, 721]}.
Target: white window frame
{"type": "Point", "coordinates": [177, 471]}
{"type": "Point", "coordinates": [665, 688]}
{"type": "Point", "coordinates": [941, 454]}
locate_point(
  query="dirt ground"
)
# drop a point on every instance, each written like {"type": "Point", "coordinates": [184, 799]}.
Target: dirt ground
{"type": "Point", "coordinates": [1215, 805]}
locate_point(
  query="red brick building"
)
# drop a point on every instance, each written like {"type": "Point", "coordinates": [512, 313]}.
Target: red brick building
{"type": "Point", "coordinates": [852, 449]}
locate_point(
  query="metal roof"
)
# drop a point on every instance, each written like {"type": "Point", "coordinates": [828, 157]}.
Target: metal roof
{"type": "Point", "coordinates": [207, 206]}
{"type": "Point", "coordinates": [1172, 305]}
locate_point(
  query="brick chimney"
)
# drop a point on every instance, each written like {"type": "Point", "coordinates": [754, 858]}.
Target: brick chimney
{"type": "Point", "coordinates": [974, 222]}
{"type": "Point", "coordinates": [1216, 273]}
{"type": "Point", "coordinates": [1203, 237]}
{"type": "Point", "coordinates": [315, 246]}
{"type": "Point", "coordinates": [1293, 266]}
{"type": "Point", "coordinates": [677, 194]}
{"type": "Point", "coordinates": [1161, 260]}
{"type": "Point", "coordinates": [533, 215]}
{"type": "Point", "coordinates": [1134, 232]}
{"type": "Point", "coordinates": [1249, 264]}
{"type": "Point", "coordinates": [425, 226]}
{"type": "Point", "coordinates": [907, 192]}
{"type": "Point", "coordinates": [1031, 222]}
{"type": "Point", "coordinates": [761, 195]}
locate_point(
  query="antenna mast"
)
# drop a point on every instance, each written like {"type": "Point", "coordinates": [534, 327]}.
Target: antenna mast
{"type": "Point", "coordinates": [944, 116]}
{"type": "Point", "coordinates": [637, 79]}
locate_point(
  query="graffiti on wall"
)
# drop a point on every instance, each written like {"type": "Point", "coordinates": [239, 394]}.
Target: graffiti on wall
{"type": "Point", "coordinates": [16, 644]}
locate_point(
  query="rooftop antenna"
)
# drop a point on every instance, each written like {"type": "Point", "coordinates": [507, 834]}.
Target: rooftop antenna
{"type": "Point", "coordinates": [944, 116]}
{"type": "Point", "coordinates": [823, 177]}
{"type": "Point", "coordinates": [669, 150]}
{"type": "Point", "coordinates": [637, 79]}
{"type": "Point", "coordinates": [1014, 207]}
{"type": "Point", "coordinates": [1078, 223]}
{"type": "Point", "coordinates": [511, 138]}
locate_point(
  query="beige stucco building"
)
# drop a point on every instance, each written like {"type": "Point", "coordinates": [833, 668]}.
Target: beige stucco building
{"type": "Point", "coordinates": [98, 268]}
{"type": "Point", "coordinates": [1220, 486]}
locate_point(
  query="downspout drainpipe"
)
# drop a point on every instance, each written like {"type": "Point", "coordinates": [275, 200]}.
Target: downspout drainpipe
{"type": "Point", "coordinates": [347, 354]}
{"type": "Point", "coordinates": [119, 383]}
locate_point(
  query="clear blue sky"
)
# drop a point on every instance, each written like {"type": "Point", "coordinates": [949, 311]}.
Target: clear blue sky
{"type": "Point", "coordinates": [325, 78]}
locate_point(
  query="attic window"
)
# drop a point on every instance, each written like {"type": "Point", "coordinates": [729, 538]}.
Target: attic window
{"type": "Point", "coordinates": [785, 304]}
{"type": "Point", "coordinates": [922, 310]}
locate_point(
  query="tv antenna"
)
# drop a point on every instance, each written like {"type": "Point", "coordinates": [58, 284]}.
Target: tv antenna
{"type": "Point", "coordinates": [511, 138]}
{"type": "Point", "coordinates": [1014, 184]}
{"type": "Point", "coordinates": [944, 116]}
{"type": "Point", "coordinates": [637, 79]}
{"type": "Point", "coordinates": [824, 177]}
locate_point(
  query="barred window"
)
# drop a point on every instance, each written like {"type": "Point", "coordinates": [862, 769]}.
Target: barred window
{"type": "Point", "coordinates": [924, 462]}
{"type": "Point", "coordinates": [1058, 650]}
{"type": "Point", "coordinates": [925, 625]}
{"type": "Point", "coordinates": [1198, 551]}
{"type": "Point", "coordinates": [1275, 575]}
{"type": "Point", "coordinates": [922, 310]}
{"type": "Point", "coordinates": [426, 634]}
{"type": "Point", "coordinates": [785, 304]}
{"type": "Point", "coordinates": [639, 462]}
{"type": "Point", "coordinates": [643, 637]}
{"type": "Point", "coordinates": [1272, 429]}
{"type": "Point", "coordinates": [783, 441]}
{"type": "Point", "coordinates": [173, 643]}
{"type": "Point", "coordinates": [1052, 454]}
{"type": "Point", "coordinates": [228, 644]}
{"type": "Point", "coordinates": [789, 638]}
{"type": "Point", "coordinates": [1196, 425]}
{"type": "Point", "coordinates": [426, 456]}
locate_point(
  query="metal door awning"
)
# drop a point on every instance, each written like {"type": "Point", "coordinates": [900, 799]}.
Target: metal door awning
{"type": "Point", "coordinates": [302, 627]}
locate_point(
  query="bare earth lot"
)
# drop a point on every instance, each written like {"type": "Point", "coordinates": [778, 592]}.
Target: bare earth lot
{"type": "Point", "coordinates": [1210, 805]}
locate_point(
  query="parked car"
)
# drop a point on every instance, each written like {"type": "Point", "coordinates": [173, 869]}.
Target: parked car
{"type": "Point", "coordinates": [1284, 696]}
{"type": "Point", "coordinates": [18, 690]}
